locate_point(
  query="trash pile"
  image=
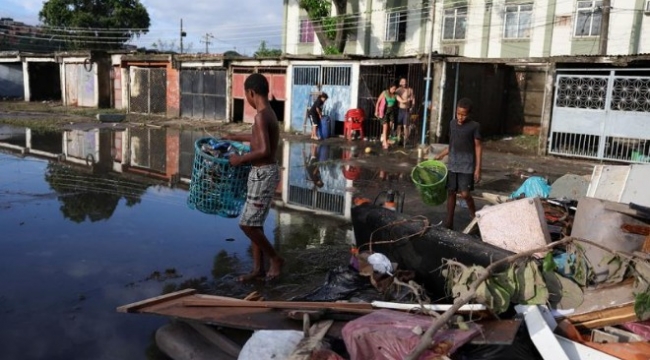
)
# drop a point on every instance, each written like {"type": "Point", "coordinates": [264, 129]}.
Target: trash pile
{"type": "Point", "coordinates": [591, 292]}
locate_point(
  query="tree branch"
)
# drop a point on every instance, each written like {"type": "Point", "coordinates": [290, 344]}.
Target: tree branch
{"type": "Point", "coordinates": [426, 339]}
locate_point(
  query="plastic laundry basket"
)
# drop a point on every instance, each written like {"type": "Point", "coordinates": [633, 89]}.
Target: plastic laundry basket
{"type": "Point", "coordinates": [216, 187]}
{"type": "Point", "coordinates": [430, 178]}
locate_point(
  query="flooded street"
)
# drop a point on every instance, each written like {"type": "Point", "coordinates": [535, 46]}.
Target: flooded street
{"type": "Point", "coordinates": [110, 225]}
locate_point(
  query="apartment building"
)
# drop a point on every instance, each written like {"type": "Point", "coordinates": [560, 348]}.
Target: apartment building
{"type": "Point", "coordinates": [478, 28]}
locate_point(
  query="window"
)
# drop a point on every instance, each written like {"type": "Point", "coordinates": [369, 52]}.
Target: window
{"type": "Point", "coordinates": [396, 26]}
{"type": "Point", "coordinates": [306, 31]}
{"type": "Point", "coordinates": [518, 21]}
{"type": "Point", "coordinates": [454, 24]}
{"type": "Point", "coordinates": [588, 17]}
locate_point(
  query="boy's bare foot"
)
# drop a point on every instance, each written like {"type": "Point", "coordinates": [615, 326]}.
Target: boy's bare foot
{"type": "Point", "coordinates": [255, 275]}
{"type": "Point", "coordinates": [275, 268]}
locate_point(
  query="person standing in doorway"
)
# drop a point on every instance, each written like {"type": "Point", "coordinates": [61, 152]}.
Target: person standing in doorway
{"type": "Point", "coordinates": [385, 109]}
{"type": "Point", "coordinates": [263, 178]}
{"type": "Point", "coordinates": [405, 104]}
{"type": "Point", "coordinates": [464, 165]}
{"type": "Point", "coordinates": [316, 115]}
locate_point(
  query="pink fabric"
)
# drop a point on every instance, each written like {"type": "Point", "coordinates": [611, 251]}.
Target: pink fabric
{"type": "Point", "coordinates": [388, 335]}
{"type": "Point", "coordinates": [382, 106]}
{"type": "Point", "coordinates": [641, 328]}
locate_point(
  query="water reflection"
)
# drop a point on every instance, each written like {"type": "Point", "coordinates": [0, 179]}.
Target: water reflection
{"type": "Point", "coordinates": [313, 180]}
{"type": "Point", "coordinates": [55, 250]}
{"type": "Point", "coordinates": [88, 196]}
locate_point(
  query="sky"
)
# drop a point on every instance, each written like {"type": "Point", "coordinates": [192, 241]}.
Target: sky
{"type": "Point", "coordinates": [235, 25]}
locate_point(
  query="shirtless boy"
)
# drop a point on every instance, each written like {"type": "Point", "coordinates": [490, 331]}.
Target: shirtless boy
{"type": "Point", "coordinates": [263, 178]}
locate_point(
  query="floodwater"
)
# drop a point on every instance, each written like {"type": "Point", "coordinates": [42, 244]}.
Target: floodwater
{"type": "Point", "coordinates": [108, 224]}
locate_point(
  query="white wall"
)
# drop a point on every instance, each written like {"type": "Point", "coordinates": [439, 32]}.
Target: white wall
{"type": "Point", "coordinates": [644, 40]}
{"type": "Point", "coordinates": [620, 27]}
{"type": "Point", "coordinates": [539, 24]}
{"type": "Point", "coordinates": [563, 27]}
{"type": "Point", "coordinates": [476, 29]}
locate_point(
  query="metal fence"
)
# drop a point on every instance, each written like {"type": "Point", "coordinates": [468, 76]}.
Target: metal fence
{"type": "Point", "coordinates": [148, 90]}
{"type": "Point", "coordinates": [602, 114]}
{"type": "Point", "coordinates": [374, 79]}
{"type": "Point", "coordinates": [316, 200]}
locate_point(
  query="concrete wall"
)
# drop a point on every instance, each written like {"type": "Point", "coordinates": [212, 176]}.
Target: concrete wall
{"type": "Point", "coordinates": [11, 80]}
{"type": "Point", "coordinates": [173, 92]}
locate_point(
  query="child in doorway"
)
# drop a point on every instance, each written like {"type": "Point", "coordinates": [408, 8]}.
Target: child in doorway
{"type": "Point", "coordinates": [263, 178]}
{"type": "Point", "coordinates": [464, 166]}
{"type": "Point", "coordinates": [315, 116]}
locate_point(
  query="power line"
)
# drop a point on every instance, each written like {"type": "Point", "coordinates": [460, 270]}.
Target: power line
{"type": "Point", "coordinates": [207, 41]}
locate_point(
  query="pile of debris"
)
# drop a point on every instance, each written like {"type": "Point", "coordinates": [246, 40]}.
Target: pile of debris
{"type": "Point", "coordinates": [596, 281]}
{"type": "Point", "coordinates": [573, 265]}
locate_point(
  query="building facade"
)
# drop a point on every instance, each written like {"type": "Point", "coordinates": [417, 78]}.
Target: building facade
{"type": "Point", "coordinates": [479, 28]}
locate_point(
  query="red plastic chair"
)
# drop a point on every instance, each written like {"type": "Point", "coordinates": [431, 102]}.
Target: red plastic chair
{"type": "Point", "coordinates": [354, 119]}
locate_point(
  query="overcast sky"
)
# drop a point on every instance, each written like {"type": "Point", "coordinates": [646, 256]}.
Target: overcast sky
{"type": "Point", "coordinates": [235, 24]}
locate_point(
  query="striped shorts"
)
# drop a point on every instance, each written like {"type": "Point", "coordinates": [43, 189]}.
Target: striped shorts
{"type": "Point", "coordinates": [262, 182]}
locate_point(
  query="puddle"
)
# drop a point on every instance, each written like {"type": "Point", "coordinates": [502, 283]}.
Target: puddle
{"type": "Point", "coordinates": [94, 219]}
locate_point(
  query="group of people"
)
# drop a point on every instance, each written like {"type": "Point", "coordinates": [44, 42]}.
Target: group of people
{"type": "Point", "coordinates": [464, 165]}
{"type": "Point", "coordinates": [393, 107]}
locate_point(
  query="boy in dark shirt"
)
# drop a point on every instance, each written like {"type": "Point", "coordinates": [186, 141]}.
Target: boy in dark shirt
{"type": "Point", "coordinates": [315, 115]}
{"type": "Point", "coordinates": [263, 178]}
{"type": "Point", "coordinates": [464, 166]}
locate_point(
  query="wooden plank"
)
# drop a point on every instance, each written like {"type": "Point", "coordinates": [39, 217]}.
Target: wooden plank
{"type": "Point", "coordinates": [430, 307]}
{"type": "Point", "coordinates": [134, 307]}
{"type": "Point", "coordinates": [312, 342]}
{"type": "Point", "coordinates": [625, 209]}
{"type": "Point", "coordinates": [646, 245]}
{"type": "Point", "coordinates": [636, 229]}
{"type": "Point", "coordinates": [471, 226]}
{"type": "Point", "coordinates": [606, 317]}
{"type": "Point", "coordinates": [292, 305]}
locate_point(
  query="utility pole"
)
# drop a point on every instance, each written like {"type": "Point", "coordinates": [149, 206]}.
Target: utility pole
{"type": "Point", "coordinates": [183, 34]}
{"type": "Point", "coordinates": [604, 26]}
{"type": "Point", "coordinates": [207, 41]}
{"type": "Point", "coordinates": [427, 98]}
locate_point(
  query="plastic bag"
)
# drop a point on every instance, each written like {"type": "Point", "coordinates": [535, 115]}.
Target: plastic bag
{"type": "Point", "coordinates": [270, 344]}
{"type": "Point", "coordinates": [535, 186]}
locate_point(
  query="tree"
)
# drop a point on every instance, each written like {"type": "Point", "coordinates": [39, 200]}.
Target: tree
{"type": "Point", "coordinates": [171, 46]}
{"type": "Point", "coordinates": [100, 24]}
{"type": "Point", "coordinates": [90, 197]}
{"type": "Point", "coordinates": [231, 54]}
{"type": "Point", "coordinates": [264, 52]}
{"type": "Point", "coordinates": [330, 30]}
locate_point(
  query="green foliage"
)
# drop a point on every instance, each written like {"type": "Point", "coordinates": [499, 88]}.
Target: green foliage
{"type": "Point", "coordinates": [331, 30]}
{"type": "Point", "coordinates": [317, 9]}
{"type": "Point", "coordinates": [549, 264]}
{"type": "Point", "coordinates": [130, 16]}
{"type": "Point", "coordinates": [642, 305]}
{"type": "Point", "coordinates": [265, 52]}
{"type": "Point", "coordinates": [171, 46]}
{"type": "Point", "coordinates": [331, 50]}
